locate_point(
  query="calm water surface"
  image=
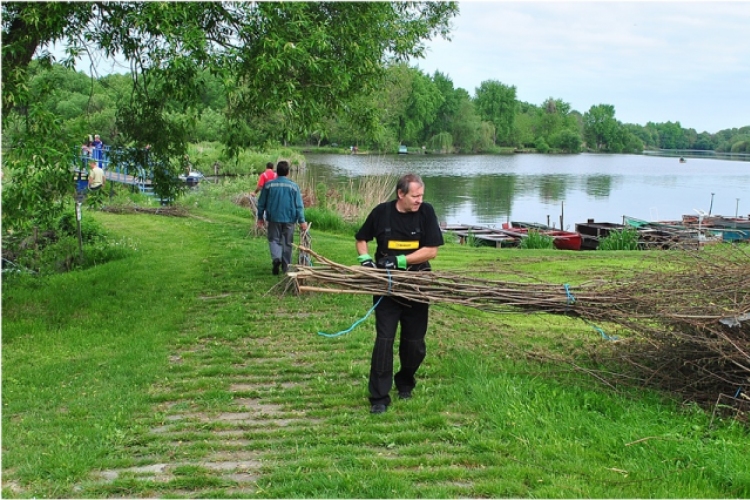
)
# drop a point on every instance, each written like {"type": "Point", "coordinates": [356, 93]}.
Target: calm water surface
{"type": "Point", "coordinates": [489, 190]}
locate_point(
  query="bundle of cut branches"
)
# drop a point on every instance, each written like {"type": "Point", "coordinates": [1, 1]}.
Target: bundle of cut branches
{"type": "Point", "coordinates": [444, 288]}
{"type": "Point", "coordinates": [251, 201]}
{"type": "Point", "coordinates": [685, 315]}
{"type": "Point", "coordinates": [303, 258]}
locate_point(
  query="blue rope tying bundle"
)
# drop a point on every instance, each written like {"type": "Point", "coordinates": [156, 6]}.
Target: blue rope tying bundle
{"type": "Point", "coordinates": [572, 300]}
{"type": "Point", "coordinates": [356, 323]}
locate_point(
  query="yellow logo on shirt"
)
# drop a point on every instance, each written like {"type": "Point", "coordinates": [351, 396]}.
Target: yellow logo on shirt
{"type": "Point", "coordinates": [402, 245]}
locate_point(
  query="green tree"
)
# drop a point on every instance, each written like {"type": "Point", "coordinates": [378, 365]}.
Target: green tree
{"type": "Point", "coordinates": [526, 124]}
{"type": "Point", "coordinates": [601, 130]}
{"type": "Point", "coordinates": [541, 145]}
{"type": "Point", "coordinates": [441, 143]}
{"type": "Point", "coordinates": [646, 135]}
{"type": "Point", "coordinates": [496, 103]}
{"type": "Point", "coordinates": [466, 126]}
{"type": "Point", "coordinates": [452, 99]}
{"type": "Point", "coordinates": [566, 140]}
{"type": "Point", "coordinates": [210, 126]}
{"type": "Point", "coordinates": [704, 142]}
{"type": "Point", "coordinates": [555, 122]}
{"type": "Point", "coordinates": [741, 144]}
{"type": "Point", "coordinates": [423, 102]}
{"type": "Point", "coordinates": [672, 136]}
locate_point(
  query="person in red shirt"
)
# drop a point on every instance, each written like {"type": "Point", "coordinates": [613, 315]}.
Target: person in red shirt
{"type": "Point", "coordinates": [266, 176]}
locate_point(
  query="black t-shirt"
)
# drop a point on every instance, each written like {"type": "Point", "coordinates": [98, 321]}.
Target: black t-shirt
{"type": "Point", "coordinates": [401, 233]}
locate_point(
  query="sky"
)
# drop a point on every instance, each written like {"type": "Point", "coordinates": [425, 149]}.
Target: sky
{"type": "Point", "coordinates": [675, 61]}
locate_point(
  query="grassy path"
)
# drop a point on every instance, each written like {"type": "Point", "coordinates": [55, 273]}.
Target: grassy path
{"type": "Point", "coordinates": [188, 379]}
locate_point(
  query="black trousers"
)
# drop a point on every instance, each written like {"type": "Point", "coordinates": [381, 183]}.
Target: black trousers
{"type": "Point", "coordinates": [412, 316]}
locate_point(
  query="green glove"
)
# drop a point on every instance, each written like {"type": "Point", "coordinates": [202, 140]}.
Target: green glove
{"type": "Point", "coordinates": [401, 260]}
{"type": "Point", "coordinates": [393, 262]}
{"type": "Point", "coordinates": [366, 260]}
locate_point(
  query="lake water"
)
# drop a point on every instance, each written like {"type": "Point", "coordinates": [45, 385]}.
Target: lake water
{"type": "Point", "coordinates": [491, 189]}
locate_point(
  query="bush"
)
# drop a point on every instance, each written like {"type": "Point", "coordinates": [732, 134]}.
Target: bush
{"type": "Point", "coordinates": [441, 143]}
{"type": "Point", "coordinates": [90, 229]}
{"type": "Point", "coordinates": [541, 145]}
{"type": "Point", "coordinates": [63, 253]}
{"type": "Point", "coordinates": [327, 220]}
{"type": "Point", "coordinates": [566, 140]}
{"type": "Point", "coordinates": [627, 239]}
{"type": "Point", "coordinates": [537, 240]}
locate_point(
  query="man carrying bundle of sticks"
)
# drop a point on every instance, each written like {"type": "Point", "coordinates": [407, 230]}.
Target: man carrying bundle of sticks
{"type": "Point", "coordinates": [408, 236]}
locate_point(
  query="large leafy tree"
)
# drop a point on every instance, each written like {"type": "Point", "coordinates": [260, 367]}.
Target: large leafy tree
{"type": "Point", "coordinates": [600, 128]}
{"type": "Point", "coordinates": [451, 103]}
{"type": "Point", "coordinates": [295, 61]}
{"type": "Point", "coordinates": [496, 103]}
{"type": "Point", "coordinates": [469, 133]}
{"type": "Point", "coordinates": [423, 102]}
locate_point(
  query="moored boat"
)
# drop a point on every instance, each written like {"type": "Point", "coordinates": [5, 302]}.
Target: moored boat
{"type": "Point", "coordinates": [672, 234]}
{"type": "Point", "coordinates": [591, 231]}
{"type": "Point", "coordinates": [718, 221]}
{"type": "Point", "coordinates": [479, 235]}
{"type": "Point", "coordinates": [563, 240]}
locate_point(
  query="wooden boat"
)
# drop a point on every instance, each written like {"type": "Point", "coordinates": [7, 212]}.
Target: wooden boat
{"type": "Point", "coordinates": [527, 225]}
{"type": "Point", "coordinates": [563, 240]}
{"type": "Point", "coordinates": [719, 221]}
{"type": "Point", "coordinates": [730, 229]}
{"type": "Point", "coordinates": [480, 235]}
{"type": "Point", "coordinates": [671, 234]}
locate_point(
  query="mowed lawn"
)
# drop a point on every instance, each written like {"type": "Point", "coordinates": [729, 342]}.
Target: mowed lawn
{"type": "Point", "coordinates": [184, 370]}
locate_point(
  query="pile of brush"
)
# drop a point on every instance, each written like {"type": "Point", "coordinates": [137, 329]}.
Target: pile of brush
{"type": "Point", "coordinates": [169, 210]}
{"type": "Point", "coordinates": [685, 315]}
{"type": "Point", "coordinates": [689, 315]}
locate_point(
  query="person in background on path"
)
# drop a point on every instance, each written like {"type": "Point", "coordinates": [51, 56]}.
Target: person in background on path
{"type": "Point", "coordinates": [280, 203]}
{"type": "Point", "coordinates": [266, 176]}
{"type": "Point", "coordinates": [98, 149]}
{"type": "Point", "coordinates": [408, 235]}
{"type": "Point", "coordinates": [96, 177]}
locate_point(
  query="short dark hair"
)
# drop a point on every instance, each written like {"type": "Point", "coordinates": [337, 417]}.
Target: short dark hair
{"type": "Point", "coordinates": [406, 180]}
{"type": "Point", "coordinates": [269, 165]}
{"type": "Point", "coordinates": [282, 168]}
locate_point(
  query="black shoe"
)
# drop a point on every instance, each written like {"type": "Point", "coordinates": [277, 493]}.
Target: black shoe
{"type": "Point", "coordinates": [378, 408]}
{"type": "Point", "coordinates": [284, 268]}
{"type": "Point", "coordinates": [404, 395]}
{"type": "Point", "coordinates": [276, 264]}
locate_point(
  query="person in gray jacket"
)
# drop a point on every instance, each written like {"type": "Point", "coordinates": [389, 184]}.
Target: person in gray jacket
{"type": "Point", "coordinates": [281, 203]}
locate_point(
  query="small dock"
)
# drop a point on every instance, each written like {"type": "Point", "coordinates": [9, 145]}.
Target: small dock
{"type": "Point", "coordinates": [498, 238]}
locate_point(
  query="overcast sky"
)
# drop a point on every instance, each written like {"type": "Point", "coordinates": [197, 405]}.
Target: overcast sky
{"type": "Point", "coordinates": [654, 61]}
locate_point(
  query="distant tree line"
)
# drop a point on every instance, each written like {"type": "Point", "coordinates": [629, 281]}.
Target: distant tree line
{"type": "Point", "coordinates": [411, 108]}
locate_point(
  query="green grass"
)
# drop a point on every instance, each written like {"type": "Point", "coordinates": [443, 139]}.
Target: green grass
{"type": "Point", "coordinates": [536, 241]}
{"type": "Point", "coordinates": [180, 371]}
{"type": "Point", "coordinates": [627, 239]}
